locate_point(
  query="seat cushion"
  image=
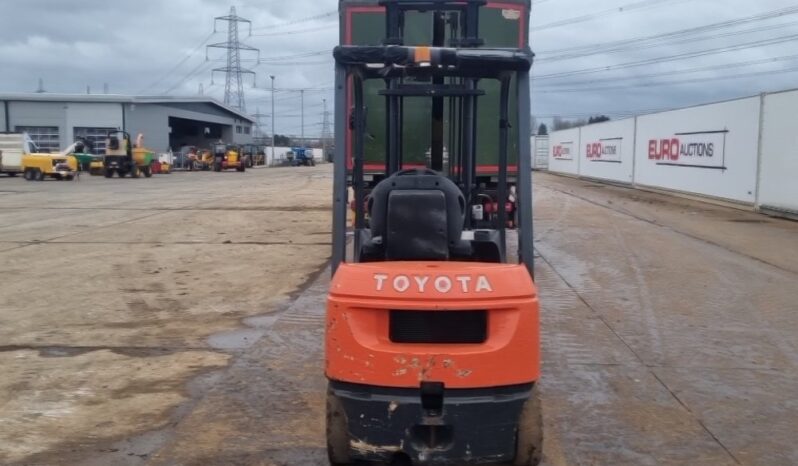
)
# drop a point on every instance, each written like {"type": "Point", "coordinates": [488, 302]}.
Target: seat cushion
{"type": "Point", "coordinates": [416, 227]}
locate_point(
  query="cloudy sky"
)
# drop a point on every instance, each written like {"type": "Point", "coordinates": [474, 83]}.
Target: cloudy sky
{"type": "Point", "coordinates": [616, 57]}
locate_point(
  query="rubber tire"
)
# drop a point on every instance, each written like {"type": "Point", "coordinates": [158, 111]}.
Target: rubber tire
{"type": "Point", "coordinates": [58, 177]}
{"type": "Point", "coordinates": [28, 174]}
{"type": "Point", "coordinates": [39, 175]}
{"type": "Point", "coordinates": [147, 172]}
{"type": "Point", "coordinates": [529, 443]}
{"type": "Point", "coordinates": [70, 177]}
{"type": "Point", "coordinates": [108, 173]}
{"type": "Point", "coordinates": [337, 432]}
{"type": "Point", "coordinates": [12, 174]}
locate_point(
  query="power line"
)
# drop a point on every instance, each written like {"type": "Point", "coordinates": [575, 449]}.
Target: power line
{"type": "Point", "coordinates": [297, 31]}
{"type": "Point", "coordinates": [681, 56]}
{"type": "Point", "coordinates": [675, 82]}
{"type": "Point", "coordinates": [201, 68]}
{"type": "Point", "coordinates": [673, 73]}
{"type": "Point", "coordinates": [591, 16]}
{"type": "Point", "coordinates": [642, 44]}
{"type": "Point", "coordinates": [682, 32]}
{"type": "Point", "coordinates": [297, 21]}
{"type": "Point", "coordinates": [178, 65]}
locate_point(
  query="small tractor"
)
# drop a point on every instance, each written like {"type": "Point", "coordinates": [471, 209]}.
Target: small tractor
{"type": "Point", "coordinates": [121, 158]}
{"type": "Point", "coordinates": [226, 157]}
{"type": "Point", "coordinates": [82, 151]}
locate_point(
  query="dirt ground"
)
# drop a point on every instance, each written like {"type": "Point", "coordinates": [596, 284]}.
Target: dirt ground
{"type": "Point", "coordinates": [110, 290]}
{"type": "Point", "coordinates": [668, 325]}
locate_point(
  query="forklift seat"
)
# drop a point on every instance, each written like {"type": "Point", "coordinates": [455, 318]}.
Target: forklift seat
{"type": "Point", "coordinates": [415, 215]}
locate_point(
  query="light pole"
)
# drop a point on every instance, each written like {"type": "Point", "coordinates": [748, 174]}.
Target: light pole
{"type": "Point", "coordinates": [274, 117]}
{"type": "Point", "coordinates": [302, 114]}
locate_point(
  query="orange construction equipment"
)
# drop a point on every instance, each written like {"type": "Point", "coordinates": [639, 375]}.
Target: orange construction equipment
{"type": "Point", "coordinates": [432, 328]}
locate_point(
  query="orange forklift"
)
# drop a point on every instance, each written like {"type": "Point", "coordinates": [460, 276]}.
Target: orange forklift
{"type": "Point", "coordinates": [432, 328]}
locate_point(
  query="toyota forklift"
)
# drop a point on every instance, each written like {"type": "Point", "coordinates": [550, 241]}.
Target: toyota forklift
{"type": "Point", "coordinates": [432, 345]}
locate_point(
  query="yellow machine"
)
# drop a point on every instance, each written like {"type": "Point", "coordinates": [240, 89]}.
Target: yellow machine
{"type": "Point", "coordinates": [226, 157]}
{"type": "Point", "coordinates": [96, 167]}
{"type": "Point", "coordinates": [35, 167]}
{"type": "Point", "coordinates": [201, 161]}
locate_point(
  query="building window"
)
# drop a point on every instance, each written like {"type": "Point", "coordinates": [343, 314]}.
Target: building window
{"type": "Point", "coordinates": [238, 129]}
{"type": "Point", "coordinates": [95, 136]}
{"type": "Point", "coordinates": [46, 137]}
{"type": "Point", "coordinates": [246, 129]}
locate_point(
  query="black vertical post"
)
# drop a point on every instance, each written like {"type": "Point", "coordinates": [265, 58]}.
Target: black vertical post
{"type": "Point", "coordinates": [8, 117]}
{"type": "Point", "coordinates": [436, 143]}
{"type": "Point", "coordinates": [388, 133]}
{"type": "Point", "coordinates": [504, 127]}
{"type": "Point", "coordinates": [357, 172]}
{"type": "Point", "coordinates": [469, 103]}
{"type": "Point", "coordinates": [340, 189]}
{"type": "Point", "coordinates": [392, 154]}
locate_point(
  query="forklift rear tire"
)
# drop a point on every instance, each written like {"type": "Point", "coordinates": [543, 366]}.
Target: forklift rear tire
{"type": "Point", "coordinates": [529, 445]}
{"type": "Point", "coordinates": [39, 175]}
{"type": "Point", "coordinates": [28, 175]}
{"type": "Point", "coordinates": [337, 432]}
{"type": "Point", "coordinates": [147, 172]}
{"type": "Point", "coordinates": [108, 173]}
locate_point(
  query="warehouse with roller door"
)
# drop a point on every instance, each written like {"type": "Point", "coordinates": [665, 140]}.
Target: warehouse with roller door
{"type": "Point", "coordinates": [54, 121]}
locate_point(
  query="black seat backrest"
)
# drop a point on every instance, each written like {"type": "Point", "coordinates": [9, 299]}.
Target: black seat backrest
{"type": "Point", "coordinates": [416, 215]}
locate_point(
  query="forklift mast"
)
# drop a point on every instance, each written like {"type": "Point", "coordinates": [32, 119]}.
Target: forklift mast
{"type": "Point", "coordinates": [442, 72]}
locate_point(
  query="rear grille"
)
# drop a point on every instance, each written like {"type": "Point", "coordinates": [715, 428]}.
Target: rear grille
{"type": "Point", "coordinates": [438, 326]}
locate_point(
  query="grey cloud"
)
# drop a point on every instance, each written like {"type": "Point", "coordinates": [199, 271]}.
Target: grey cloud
{"type": "Point", "coordinates": [130, 44]}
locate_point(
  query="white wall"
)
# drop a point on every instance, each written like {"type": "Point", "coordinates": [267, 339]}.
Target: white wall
{"type": "Point", "coordinates": [564, 151]}
{"type": "Point", "coordinates": [607, 151]}
{"type": "Point", "coordinates": [93, 115]}
{"type": "Point", "coordinates": [778, 188]}
{"type": "Point", "coordinates": [709, 150]}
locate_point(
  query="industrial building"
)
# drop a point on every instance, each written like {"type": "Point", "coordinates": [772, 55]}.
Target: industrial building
{"type": "Point", "coordinates": [54, 121]}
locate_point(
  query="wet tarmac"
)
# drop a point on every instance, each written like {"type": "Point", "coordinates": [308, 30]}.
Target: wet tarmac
{"type": "Point", "coordinates": [668, 332]}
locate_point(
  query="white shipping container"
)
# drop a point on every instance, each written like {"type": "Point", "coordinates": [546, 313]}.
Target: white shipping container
{"type": "Point", "coordinates": [540, 152]}
{"type": "Point", "coordinates": [709, 150]}
{"type": "Point", "coordinates": [564, 151]}
{"type": "Point", "coordinates": [607, 151]}
{"type": "Point", "coordinates": [778, 178]}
